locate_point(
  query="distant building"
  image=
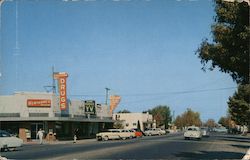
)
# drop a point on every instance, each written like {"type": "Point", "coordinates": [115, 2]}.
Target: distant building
{"type": "Point", "coordinates": [131, 120]}
{"type": "Point", "coordinates": [24, 113]}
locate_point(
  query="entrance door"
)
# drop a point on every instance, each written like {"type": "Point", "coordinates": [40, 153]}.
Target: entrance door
{"type": "Point", "coordinates": [35, 128]}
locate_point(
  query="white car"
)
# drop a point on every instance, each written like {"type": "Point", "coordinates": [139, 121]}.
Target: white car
{"type": "Point", "coordinates": [193, 132]}
{"type": "Point", "coordinates": [221, 130]}
{"type": "Point", "coordinates": [115, 134]}
{"type": "Point", "coordinates": [205, 132]}
{"type": "Point", "coordinates": [154, 131]}
{"type": "Point", "coordinates": [9, 142]}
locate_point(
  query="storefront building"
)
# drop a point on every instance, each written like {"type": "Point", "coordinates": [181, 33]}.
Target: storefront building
{"type": "Point", "coordinates": [131, 120]}
{"type": "Point", "coordinates": [24, 113]}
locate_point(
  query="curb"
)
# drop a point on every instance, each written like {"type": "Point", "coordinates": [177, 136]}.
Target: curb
{"type": "Point", "coordinates": [247, 156]}
{"type": "Point", "coordinates": [60, 142]}
{"type": "Point", "coordinates": [3, 158]}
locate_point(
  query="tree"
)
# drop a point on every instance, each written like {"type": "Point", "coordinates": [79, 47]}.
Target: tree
{"type": "Point", "coordinates": [210, 123]}
{"type": "Point", "coordinates": [162, 115]}
{"type": "Point", "coordinates": [224, 121]}
{"type": "Point", "coordinates": [179, 122]}
{"type": "Point", "coordinates": [239, 105]}
{"type": "Point", "coordinates": [138, 125]}
{"type": "Point", "coordinates": [188, 118]}
{"type": "Point", "coordinates": [229, 50]}
{"type": "Point", "coordinates": [118, 125]}
{"type": "Point", "coordinates": [124, 111]}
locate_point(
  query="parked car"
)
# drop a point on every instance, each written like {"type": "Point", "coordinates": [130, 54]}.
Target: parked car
{"type": "Point", "coordinates": [221, 130]}
{"type": "Point", "coordinates": [193, 132]}
{"type": "Point", "coordinates": [115, 134]}
{"type": "Point", "coordinates": [138, 133]}
{"type": "Point", "coordinates": [154, 131]}
{"type": "Point", "coordinates": [127, 134]}
{"type": "Point", "coordinates": [162, 131]}
{"type": "Point", "coordinates": [205, 132]}
{"type": "Point", "coordinates": [9, 142]}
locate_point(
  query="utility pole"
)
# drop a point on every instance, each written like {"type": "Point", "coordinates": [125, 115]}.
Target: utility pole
{"type": "Point", "coordinates": [53, 81]}
{"type": "Point", "coordinates": [52, 87]}
{"type": "Point", "coordinates": [173, 117]}
{"type": "Point", "coordinates": [107, 90]}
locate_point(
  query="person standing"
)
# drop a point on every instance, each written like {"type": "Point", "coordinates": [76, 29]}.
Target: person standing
{"type": "Point", "coordinates": [75, 135]}
{"type": "Point", "coordinates": [40, 135]}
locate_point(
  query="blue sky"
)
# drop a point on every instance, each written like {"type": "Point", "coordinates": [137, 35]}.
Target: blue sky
{"type": "Point", "coordinates": [143, 50]}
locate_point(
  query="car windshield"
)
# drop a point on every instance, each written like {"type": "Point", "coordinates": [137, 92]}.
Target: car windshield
{"type": "Point", "coordinates": [4, 134]}
{"type": "Point", "coordinates": [192, 129]}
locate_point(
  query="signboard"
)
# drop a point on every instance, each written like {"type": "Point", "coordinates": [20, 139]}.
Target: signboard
{"type": "Point", "coordinates": [62, 76]}
{"type": "Point", "coordinates": [38, 102]}
{"type": "Point", "coordinates": [89, 107]}
{"type": "Point", "coordinates": [114, 101]}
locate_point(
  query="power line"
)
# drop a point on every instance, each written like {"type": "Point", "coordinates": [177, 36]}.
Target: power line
{"type": "Point", "coordinates": [158, 94]}
{"type": "Point", "coordinates": [179, 92]}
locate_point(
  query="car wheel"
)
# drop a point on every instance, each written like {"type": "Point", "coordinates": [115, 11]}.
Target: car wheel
{"type": "Point", "coordinates": [105, 138]}
{"type": "Point", "coordinates": [123, 138]}
{"type": "Point", "coordinates": [12, 149]}
{"type": "Point", "coordinates": [4, 148]}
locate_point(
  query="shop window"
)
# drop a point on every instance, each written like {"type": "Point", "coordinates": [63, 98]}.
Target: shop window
{"type": "Point", "coordinates": [38, 114]}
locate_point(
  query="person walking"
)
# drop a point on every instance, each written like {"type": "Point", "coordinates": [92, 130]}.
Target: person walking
{"type": "Point", "coordinates": [40, 135]}
{"type": "Point", "coordinates": [76, 135]}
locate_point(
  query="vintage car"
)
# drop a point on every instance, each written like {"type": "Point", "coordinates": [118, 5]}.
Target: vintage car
{"type": "Point", "coordinates": [154, 131]}
{"type": "Point", "coordinates": [115, 134]}
{"type": "Point", "coordinates": [193, 132]}
{"type": "Point", "coordinates": [205, 132]}
{"type": "Point", "coordinates": [8, 142]}
{"type": "Point", "coordinates": [138, 133]}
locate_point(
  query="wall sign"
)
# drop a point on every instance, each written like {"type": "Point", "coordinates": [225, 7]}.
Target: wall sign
{"type": "Point", "coordinates": [61, 77]}
{"type": "Point", "coordinates": [89, 107]}
{"type": "Point", "coordinates": [38, 102]}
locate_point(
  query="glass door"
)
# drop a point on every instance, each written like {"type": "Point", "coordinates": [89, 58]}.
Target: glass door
{"type": "Point", "coordinates": [35, 128]}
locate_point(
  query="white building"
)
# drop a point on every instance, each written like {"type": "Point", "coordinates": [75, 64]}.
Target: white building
{"type": "Point", "coordinates": [25, 112]}
{"type": "Point", "coordinates": [131, 120]}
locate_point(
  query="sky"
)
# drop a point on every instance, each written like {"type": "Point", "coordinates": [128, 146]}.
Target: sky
{"type": "Point", "coordinates": [143, 50]}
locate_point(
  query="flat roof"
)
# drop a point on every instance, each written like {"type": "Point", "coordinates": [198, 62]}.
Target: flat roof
{"type": "Point", "coordinates": [66, 119]}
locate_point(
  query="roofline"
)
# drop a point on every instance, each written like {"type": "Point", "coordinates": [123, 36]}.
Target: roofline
{"type": "Point", "coordinates": [14, 119]}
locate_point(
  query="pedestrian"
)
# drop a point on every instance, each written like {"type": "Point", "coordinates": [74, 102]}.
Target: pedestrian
{"type": "Point", "coordinates": [40, 135]}
{"type": "Point", "coordinates": [75, 135]}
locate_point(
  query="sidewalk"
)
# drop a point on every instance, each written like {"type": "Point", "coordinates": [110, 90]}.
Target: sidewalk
{"type": "Point", "coordinates": [61, 141]}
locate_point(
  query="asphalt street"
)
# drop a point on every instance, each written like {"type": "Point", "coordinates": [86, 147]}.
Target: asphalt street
{"type": "Point", "coordinates": [171, 146]}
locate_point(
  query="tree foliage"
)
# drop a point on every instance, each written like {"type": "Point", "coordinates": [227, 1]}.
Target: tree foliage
{"type": "Point", "coordinates": [210, 123]}
{"type": "Point", "coordinates": [225, 121]}
{"type": "Point", "coordinates": [124, 111]}
{"type": "Point", "coordinates": [118, 125]}
{"type": "Point", "coordinates": [188, 118]}
{"type": "Point", "coordinates": [239, 105]}
{"type": "Point", "coordinates": [162, 115]}
{"type": "Point", "coordinates": [229, 50]}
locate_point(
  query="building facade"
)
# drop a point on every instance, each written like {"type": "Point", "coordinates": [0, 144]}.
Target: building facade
{"type": "Point", "coordinates": [24, 113]}
{"type": "Point", "coordinates": [134, 120]}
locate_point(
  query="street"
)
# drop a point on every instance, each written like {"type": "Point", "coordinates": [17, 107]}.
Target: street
{"type": "Point", "coordinates": [171, 146]}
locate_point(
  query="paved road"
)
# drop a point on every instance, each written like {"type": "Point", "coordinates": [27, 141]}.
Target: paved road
{"type": "Point", "coordinates": [156, 147]}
